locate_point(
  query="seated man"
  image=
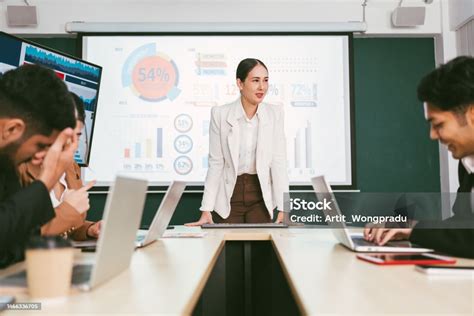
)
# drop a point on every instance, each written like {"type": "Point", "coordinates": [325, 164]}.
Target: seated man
{"type": "Point", "coordinates": [69, 196]}
{"type": "Point", "coordinates": [448, 95]}
{"type": "Point", "coordinates": [36, 111]}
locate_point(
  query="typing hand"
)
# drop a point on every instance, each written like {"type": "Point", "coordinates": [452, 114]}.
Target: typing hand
{"type": "Point", "coordinates": [381, 235]}
{"type": "Point", "coordinates": [79, 199]}
{"type": "Point", "coordinates": [206, 218]}
{"type": "Point", "coordinates": [280, 217]}
{"type": "Point", "coordinates": [94, 230]}
{"type": "Point", "coordinates": [59, 157]}
{"type": "Point", "coordinates": [370, 229]}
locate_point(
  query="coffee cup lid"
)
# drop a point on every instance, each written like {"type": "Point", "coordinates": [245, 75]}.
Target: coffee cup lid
{"type": "Point", "coordinates": [48, 242]}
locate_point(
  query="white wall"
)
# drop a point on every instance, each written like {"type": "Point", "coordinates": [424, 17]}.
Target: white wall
{"type": "Point", "coordinates": [53, 14]}
{"type": "Point", "coordinates": [456, 13]}
{"type": "Point", "coordinates": [461, 11]}
{"type": "Point", "coordinates": [445, 50]}
{"type": "Point", "coordinates": [465, 38]}
{"type": "Point", "coordinates": [442, 16]}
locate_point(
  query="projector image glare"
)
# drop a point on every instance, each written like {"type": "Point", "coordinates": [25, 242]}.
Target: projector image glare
{"type": "Point", "coordinates": [408, 16]}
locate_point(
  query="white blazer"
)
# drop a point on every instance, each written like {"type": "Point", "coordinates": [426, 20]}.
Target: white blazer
{"type": "Point", "coordinates": [224, 142]}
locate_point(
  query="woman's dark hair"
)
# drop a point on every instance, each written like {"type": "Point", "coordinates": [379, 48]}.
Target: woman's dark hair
{"type": "Point", "coordinates": [79, 104]}
{"type": "Point", "coordinates": [246, 66]}
{"type": "Point", "coordinates": [450, 87]}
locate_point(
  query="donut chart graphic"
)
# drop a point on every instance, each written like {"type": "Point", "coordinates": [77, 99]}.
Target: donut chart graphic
{"type": "Point", "coordinates": [183, 123]}
{"type": "Point", "coordinates": [150, 74]}
{"type": "Point", "coordinates": [183, 144]}
{"type": "Point", "coordinates": [183, 165]}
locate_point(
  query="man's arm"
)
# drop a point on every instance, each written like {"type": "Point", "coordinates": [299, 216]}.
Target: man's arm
{"type": "Point", "coordinates": [454, 236]}
{"type": "Point", "coordinates": [30, 207]}
{"type": "Point", "coordinates": [19, 215]}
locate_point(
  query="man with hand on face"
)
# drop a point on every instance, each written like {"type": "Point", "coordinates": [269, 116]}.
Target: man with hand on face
{"type": "Point", "coordinates": [36, 112]}
{"type": "Point", "coordinates": [448, 95]}
{"type": "Point", "coordinates": [69, 196]}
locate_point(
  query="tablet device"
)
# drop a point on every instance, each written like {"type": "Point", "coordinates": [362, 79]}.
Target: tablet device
{"type": "Point", "coordinates": [405, 258]}
{"type": "Point", "coordinates": [446, 270]}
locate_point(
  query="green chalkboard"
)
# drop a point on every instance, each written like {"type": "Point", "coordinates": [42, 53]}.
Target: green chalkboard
{"type": "Point", "coordinates": [393, 149]}
{"type": "Point", "coordinates": [394, 152]}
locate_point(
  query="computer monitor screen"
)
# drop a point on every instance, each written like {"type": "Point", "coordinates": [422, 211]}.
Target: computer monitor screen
{"type": "Point", "coordinates": [81, 78]}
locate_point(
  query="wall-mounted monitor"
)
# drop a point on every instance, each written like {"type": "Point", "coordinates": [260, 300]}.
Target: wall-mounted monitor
{"type": "Point", "coordinates": [81, 77]}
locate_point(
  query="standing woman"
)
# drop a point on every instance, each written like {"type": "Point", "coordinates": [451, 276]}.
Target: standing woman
{"type": "Point", "coordinates": [247, 173]}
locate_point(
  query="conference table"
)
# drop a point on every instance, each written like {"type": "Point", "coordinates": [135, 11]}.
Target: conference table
{"type": "Point", "coordinates": [179, 276]}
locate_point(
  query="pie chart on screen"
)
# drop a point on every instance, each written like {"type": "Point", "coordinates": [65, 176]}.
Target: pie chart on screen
{"type": "Point", "coordinates": [150, 74]}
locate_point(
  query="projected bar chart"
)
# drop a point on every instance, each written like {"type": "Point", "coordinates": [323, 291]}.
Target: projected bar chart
{"type": "Point", "coordinates": [303, 150]}
{"type": "Point", "coordinates": [205, 127]}
{"type": "Point", "coordinates": [309, 148]}
{"type": "Point", "coordinates": [138, 150]}
{"type": "Point", "coordinates": [148, 145]}
{"type": "Point", "coordinates": [148, 149]}
{"type": "Point", "coordinates": [159, 143]}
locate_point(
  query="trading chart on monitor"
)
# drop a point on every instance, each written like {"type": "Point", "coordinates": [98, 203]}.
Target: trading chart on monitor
{"type": "Point", "coordinates": [81, 77]}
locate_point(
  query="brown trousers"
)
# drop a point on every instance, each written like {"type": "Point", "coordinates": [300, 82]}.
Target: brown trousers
{"type": "Point", "coordinates": [246, 203]}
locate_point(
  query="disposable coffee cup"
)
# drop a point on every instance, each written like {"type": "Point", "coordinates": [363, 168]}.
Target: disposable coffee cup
{"type": "Point", "coordinates": [49, 262]}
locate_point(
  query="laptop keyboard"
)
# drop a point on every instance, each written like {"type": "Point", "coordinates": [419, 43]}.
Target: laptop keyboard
{"type": "Point", "coordinates": [81, 273]}
{"type": "Point", "coordinates": [360, 241]}
{"type": "Point", "coordinates": [17, 279]}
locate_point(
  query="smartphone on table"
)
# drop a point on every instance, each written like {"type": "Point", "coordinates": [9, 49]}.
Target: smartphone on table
{"type": "Point", "coordinates": [446, 270]}
{"type": "Point", "coordinates": [405, 258]}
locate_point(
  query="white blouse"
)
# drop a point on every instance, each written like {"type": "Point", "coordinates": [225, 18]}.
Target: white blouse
{"type": "Point", "coordinates": [54, 199]}
{"type": "Point", "coordinates": [248, 144]}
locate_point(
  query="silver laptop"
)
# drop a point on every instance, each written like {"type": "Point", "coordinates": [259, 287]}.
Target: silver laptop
{"type": "Point", "coordinates": [163, 215]}
{"type": "Point", "coordinates": [122, 214]}
{"type": "Point", "coordinates": [355, 242]}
